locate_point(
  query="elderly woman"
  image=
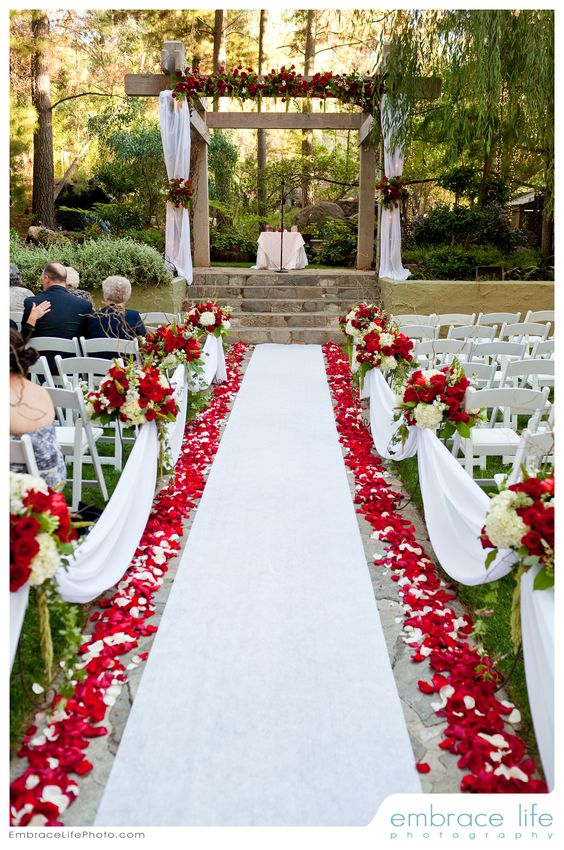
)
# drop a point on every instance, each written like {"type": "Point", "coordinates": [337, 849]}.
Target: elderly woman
{"type": "Point", "coordinates": [18, 292]}
{"type": "Point", "coordinates": [73, 280]}
{"type": "Point", "coordinates": [32, 413]}
{"type": "Point", "coordinates": [114, 320]}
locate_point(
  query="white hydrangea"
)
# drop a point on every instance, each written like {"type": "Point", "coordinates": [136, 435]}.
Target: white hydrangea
{"type": "Point", "coordinates": [207, 319]}
{"type": "Point", "coordinates": [388, 363]}
{"type": "Point", "coordinates": [226, 324]}
{"type": "Point", "coordinates": [351, 330]}
{"type": "Point", "coordinates": [428, 415]}
{"type": "Point", "coordinates": [171, 361]}
{"type": "Point", "coordinates": [351, 314]}
{"type": "Point", "coordinates": [428, 373]}
{"type": "Point", "coordinates": [20, 484]}
{"type": "Point", "coordinates": [386, 339]}
{"type": "Point", "coordinates": [46, 562]}
{"type": "Point", "coordinates": [131, 409]}
{"type": "Point", "coordinates": [504, 526]}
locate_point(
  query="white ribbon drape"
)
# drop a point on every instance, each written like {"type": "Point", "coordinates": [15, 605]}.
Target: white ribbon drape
{"type": "Point", "coordinates": [18, 607]}
{"type": "Point", "coordinates": [175, 134]}
{"type": "Point", "coordinates": [455, 511]}
{"type": "Point", "coordinates": [390, 222]}
{"type": "Point", "coordinates": [215, 369]}
{"type": "Point", "coordinates": [537, 624]}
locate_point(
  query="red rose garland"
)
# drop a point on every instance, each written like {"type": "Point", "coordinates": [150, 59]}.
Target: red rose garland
{"type": "Point", "coordinates": [56, 755]}
{"type": "Point", "coordinates": [494, 759]}
{"type": "Point", "coordinates": [178, 192]}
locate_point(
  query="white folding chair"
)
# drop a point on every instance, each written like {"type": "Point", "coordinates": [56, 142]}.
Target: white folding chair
{"type": "Point", "coordinates": [21, 452]}
{"type": "Point", "coordinates": [543, 348]}
{"type": "Point", "coordinates": [529, 332]}
{"type": "Point", "coordinates": [77, 440]}
{"type": "Point", "coordinates": [530, 372]}
{"type": "Point", "coordinates": [113, 345]}
{"type": "Point", "coordinates": [17, 316]}
{"type": "Point", "coordinates": [481, 374]}
{"type": "Point", "coordinates": [456, 319]}
{"type": "Point", "coordinates": [54, 345]}
{"type": "Point", "coordinates": [533, 451]}
{"type": "Point", "coordinates": [415, 319]}
{"type": "Point", "coordinates": [497, 318]}
{"type": "Point", "coordinates": [415, 331]}
{"type": "Point", "coordinates": [540, 316]}
{"type": "Point", "coordinates": [91, 370]}
{"type": "Point", "coordinates": [153, 320]}
{"type": "Point", "coordinates": [472, 332]}
{"type": "Point", "coordinates": [438, 351]}
{"type": "Point", "coordinates": [501, 440]}
{"type": "Point", "coordinates": [40, 369]}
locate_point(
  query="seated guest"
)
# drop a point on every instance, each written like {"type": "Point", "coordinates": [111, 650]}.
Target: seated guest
{"type": "Point", "coordinates": [32, 413]}
{"type": "Point", "coordinates": [113, 320]}
{"type": "Point", "coordinates": [18, 293]}
{"type": "Point", "coordinates": [37, 311]}
{"type": "Point", "coordinates": [67, 317]}
{"type": "Point", "coordinates": [73, 280]}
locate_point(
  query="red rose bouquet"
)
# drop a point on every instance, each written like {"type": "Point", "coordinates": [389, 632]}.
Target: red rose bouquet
{"type": "Point", "coordinates": [178, 192]}
{"type": "Point", "coordinates": [388, 350]}
{"type": "Point", "coordinates": [434, 398]}
{"type": "Point", "coordinates": [171, 345]}
{"type": "Point", "coordinates": [208, 317]}
{"type": "Point", "coordinates": [132, 395]}
{"type": "Point", "coordinates": [390, 191]}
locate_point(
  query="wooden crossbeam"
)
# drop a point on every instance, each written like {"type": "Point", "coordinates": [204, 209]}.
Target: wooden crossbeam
{"type": "Point", "coordinates": [364, 130]}
{"type": "Point", "coordinates": [199, 125]}
{"type": "Point", "coordinates": [284, 120]}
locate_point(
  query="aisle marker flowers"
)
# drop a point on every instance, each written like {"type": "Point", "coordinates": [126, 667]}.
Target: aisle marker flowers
{"type": "Point", "coordinates": [41, 535]}
{"type": "Point", "coordinates": [388, 349]}
{"type": "Point", "coordinates": [209, 318]}
{"type": "Point", "coordinates": [434, 398]}
{"type": "Point", "coordinates": [55, 746]}
{"type": "Point", "coordinates": [478, 723]}
{"type": "Point", "coordinates": [169, 346]}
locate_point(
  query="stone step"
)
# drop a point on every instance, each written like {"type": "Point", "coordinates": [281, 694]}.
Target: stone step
{"type": "Point", "coordinates": [303, 277]}
{"type": "Point", "coordinates": [287, 305]}
{"type": "Point", "coordinates": [336, 292]}
{"type": "Point", "coordinates": [311, 336]}
{"type": "Point", "coordinates": [281, 320]}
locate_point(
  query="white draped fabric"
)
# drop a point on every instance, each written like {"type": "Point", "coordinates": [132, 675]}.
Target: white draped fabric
{"type": "Point", "coordinates": [175, 430]}
{"type": "Point", "coordinates": [537, 622]}
{"type": "Point", "coordinates": [390, 222]}
{"type": "Point", "coordinates": [18, 606]}
{"type": "Point", "coordinates": [175, 133]}
{"type": "Point", "coordinates": [455, 506]}
{"type": "Point", "coordinates": [214, 364]}
{"type": "Point", "coordinates": [103, 558]}
{"type": "Point", "coordinates": [293, 251]}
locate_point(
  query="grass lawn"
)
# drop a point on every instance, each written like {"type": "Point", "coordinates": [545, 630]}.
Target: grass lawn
{"type": "Point", "coordinates": [489, 605]}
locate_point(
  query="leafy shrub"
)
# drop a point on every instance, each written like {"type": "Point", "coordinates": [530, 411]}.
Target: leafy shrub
{"type": "Point", "coordinates": [339, 243]}
{"type": "Point", "coordinates": [121, 217]}
{"type": "Point", "coordinates": [458, 263]}
{"type": "Point", "coordinates": [95, 260]}
{"type": "Point", "coordinates": [149, 236]}
{"type": "Point", "coordinates": [229, 240]}
{"type": "Point", "coordinates": [469, 225]}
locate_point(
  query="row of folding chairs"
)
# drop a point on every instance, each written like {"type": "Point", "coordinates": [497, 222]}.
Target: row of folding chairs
{"type": "Point", "coordinates": [531, 332]}
{"type": "Point", "coordinates": [456, 319]}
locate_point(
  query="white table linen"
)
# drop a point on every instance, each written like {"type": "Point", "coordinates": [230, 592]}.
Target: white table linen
{"type": "Point", "coordinates": [293, 253]}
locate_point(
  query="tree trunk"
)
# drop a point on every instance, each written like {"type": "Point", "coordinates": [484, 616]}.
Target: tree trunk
{"type": "Point", "coordinates": [486, 171]}
{"type": "Point", "coordinates": [219, 46]}
{"type": "Point", "coordinates": [261, 134]}
{"type": "Point", "coordinates": [546, 233]}
{"type": "Point", "coordinates": [43, 204]}
{"type": "Point", "coordinates": [307, 135]}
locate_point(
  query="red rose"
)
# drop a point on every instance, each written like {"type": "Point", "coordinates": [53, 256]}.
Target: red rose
{"type": "Point", "coordinates": [532, 540]}
{"type": "Point", "coordinates": [23, 527]}
{"type": "Point", "coordinates": [23, 550]}
{"type": "Point", "coordinates": [19, 575]}
{"type": "Point", "coordinates": [37, 501]}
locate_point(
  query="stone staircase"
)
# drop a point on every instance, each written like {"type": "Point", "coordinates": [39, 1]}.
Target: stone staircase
{"type": "Point", "coordinates": [298, 307]}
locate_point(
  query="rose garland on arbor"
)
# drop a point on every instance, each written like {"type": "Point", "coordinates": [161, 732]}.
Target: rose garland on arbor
{"type": "Point", "coordinates": [245, 84]}
{"type": "Point", "coordinates": [178, 192]}
{"type": "Point", "coordinates": [390, 191]}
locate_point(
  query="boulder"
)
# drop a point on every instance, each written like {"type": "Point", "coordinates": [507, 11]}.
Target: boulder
{"type": "Point", "coordinates": [317, 214]}
{"type": "Point", "coordinates": [349, 206]}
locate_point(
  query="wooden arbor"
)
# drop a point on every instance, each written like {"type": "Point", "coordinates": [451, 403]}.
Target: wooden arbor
{"type": "Point", "coordinates": [173, 58]}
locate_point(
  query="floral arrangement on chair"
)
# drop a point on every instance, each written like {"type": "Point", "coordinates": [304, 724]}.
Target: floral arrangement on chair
{"type": "Point", "coordinates": [41, 535]}
{"type": "Point", "coordinates": [390, 191]}
{"type": "Point", "coordinates": [209, 318]}
{"type": "Point", "coordinates": [434, 398]}
{"type": "Point", "coordinates": [388, 349]}
{"type": "Point", "coordinates": [521, 517]}
{"type": "Point", "coordinates": [132, 395]}
{"type": "Point", "coordinates": [362, 318]}
{"type": "Point", "coordinates": [169, 346]}
{"type": "Point", "coordinates": [178, 192]}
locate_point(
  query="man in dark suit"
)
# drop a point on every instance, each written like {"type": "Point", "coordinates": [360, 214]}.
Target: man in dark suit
{"type": "Point", "coordinates": [67, 316]}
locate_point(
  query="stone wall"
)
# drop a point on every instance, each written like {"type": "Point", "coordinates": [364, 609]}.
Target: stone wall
{"type": "Point", "coordinates": [466, 296]}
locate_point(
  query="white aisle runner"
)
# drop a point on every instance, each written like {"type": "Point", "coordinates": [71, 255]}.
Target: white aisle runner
{"type": "Point", "coordinates": [268, 697]}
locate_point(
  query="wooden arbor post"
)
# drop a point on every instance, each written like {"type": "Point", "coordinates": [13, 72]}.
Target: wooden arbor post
{"type": "Point", "coordinates": [366, 195]}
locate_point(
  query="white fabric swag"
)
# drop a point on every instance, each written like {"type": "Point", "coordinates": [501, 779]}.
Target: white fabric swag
{"type": "Point", "coordinates": [455, 511]}
{"type": "Point", "coordinates": [214, 364]}
{"type": "Point", "coordinates": [390, 222]}
{"type": "Point", "coordinates": [175, 133]}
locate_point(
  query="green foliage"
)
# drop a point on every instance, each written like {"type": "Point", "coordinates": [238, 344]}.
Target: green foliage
{"type": "Point", "coordinates": [95, 260]}
{"type": "Point", "coordinates": [339, 242]}
{"type": "Point", "coordinates": [223, 241]}
{"type": "Point", "coordinates": [468, 225]}
{"type": "Point", "coordinates": [222, 162]}
{"type": "Point", "coordinates": [458, 263]}
{"type": "Point", "coordinates": [464, 182]}
{"type": "Point", "coordinates": [121, 217]}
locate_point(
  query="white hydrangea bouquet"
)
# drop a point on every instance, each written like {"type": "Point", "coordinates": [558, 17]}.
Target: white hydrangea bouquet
{"type": "Point", "coordinates": [209, 318]}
